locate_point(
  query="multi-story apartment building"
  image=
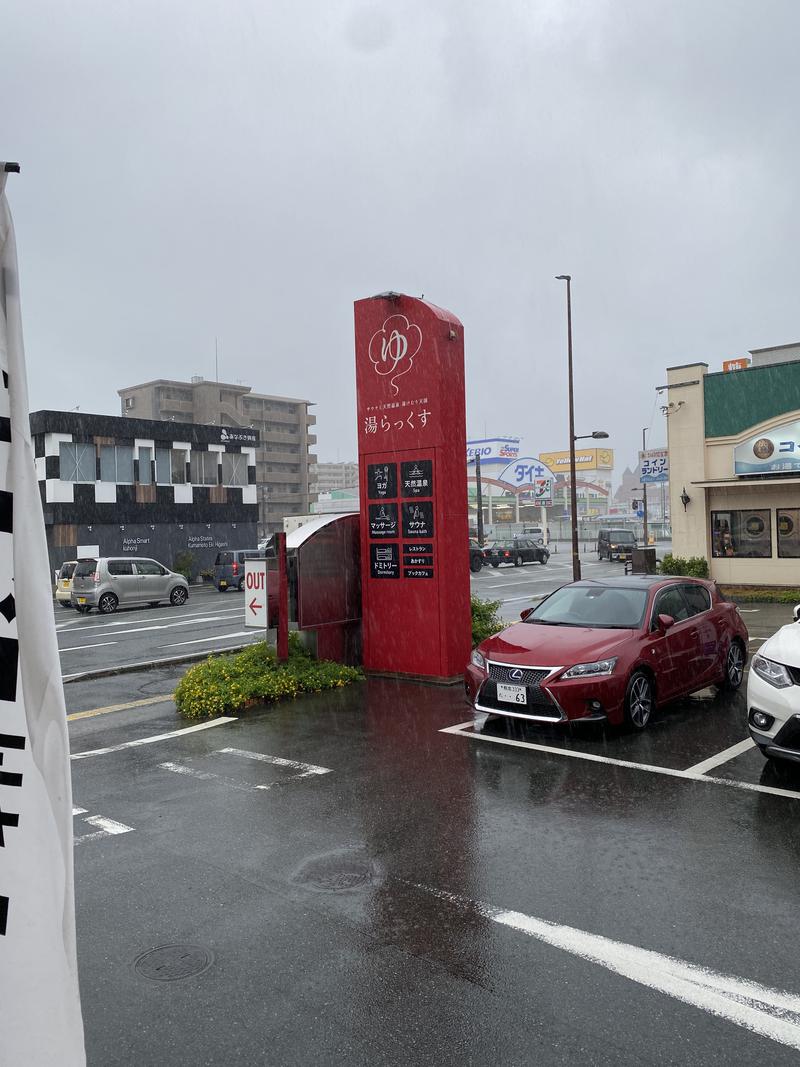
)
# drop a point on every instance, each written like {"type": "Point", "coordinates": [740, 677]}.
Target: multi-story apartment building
{"type": "Point", "coordinates": [112, 486]}
{"type": "Point", "coordinates": [284, 463]}
{"type": "Point", "coordinates": [331, 476]}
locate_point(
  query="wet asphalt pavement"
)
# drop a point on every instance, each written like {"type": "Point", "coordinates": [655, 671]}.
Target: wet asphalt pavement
{"type": "Point", "coordinates": [351, 905]}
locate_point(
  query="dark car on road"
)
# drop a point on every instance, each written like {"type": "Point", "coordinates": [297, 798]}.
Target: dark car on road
{"type": "Point", "coordinates": [229, 567]}
{"type": "Point", "coordinates": [611, 649]}
{"type": "Point", "coordinates": [615, 544]}
{"type": "Point", "coordinates": [476, 556]}
{"type": "Point", "coordinates": [519, 551]}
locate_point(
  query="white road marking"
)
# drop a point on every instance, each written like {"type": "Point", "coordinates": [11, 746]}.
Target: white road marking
{"type": "Point", "coordinates": [305, 770]}
{"type": "Point", "coordinates": [78, 648]}
{"type": "Point", "coordinates": [691, 775]}
{"type": "Point", "coordinates": [215, 637]}
{"type": "Point", "coordinates": [182, 621]}
{"type": "Point", "coordinates": [105, 828]}
{"type": "Point", "coordinates": [79, 811]}
{"type": "Point", "coordinates": [772, 1013]}
{"type": "Point", "coordinates": [278, 761]}
{"type": "Point", "coordinates": [109, 825]}
{"type": "Point", "coordinates": [723, 757]}
{"type": "Point", "coordinates": [515, 599]}
{"type": "Point", "coordinates": [155, 737]}
{"type": "Point", "coordinates": [749, 611]}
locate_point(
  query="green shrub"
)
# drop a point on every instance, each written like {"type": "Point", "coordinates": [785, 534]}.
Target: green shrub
{"type": "Point", "coordinates": [184, 564]}
{"type": "Point", "coordinates": [693, 567]}
{"type": "Point", "coordinates": [485, 620]}
{"type": "Point", "coordinates": [754, 594]}
{"type": "Point", "coordinates": [223, 684]}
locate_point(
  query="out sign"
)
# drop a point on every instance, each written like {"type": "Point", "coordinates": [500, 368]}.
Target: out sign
{"type": "Point", "coordinates": [255, 590]}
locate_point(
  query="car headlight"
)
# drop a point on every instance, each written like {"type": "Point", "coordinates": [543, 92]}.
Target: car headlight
{"type": "Point", "coordinates": [477, 659]}
{"type": "Point", "coordinates": [772, 672]}
{"type": "Point", "coordinates": [591, 670]}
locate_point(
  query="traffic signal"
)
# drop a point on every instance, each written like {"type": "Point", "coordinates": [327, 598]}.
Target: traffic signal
{"type": "Point", "coordinates": [634, 505]}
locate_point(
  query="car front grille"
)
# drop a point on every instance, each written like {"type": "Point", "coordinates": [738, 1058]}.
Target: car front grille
{"type": "Point", "coordinates": [498, 672]}
{"type": "Point", "coordinates": [794, 674]}
{"type": "Point", "coordinates": [538, 701]}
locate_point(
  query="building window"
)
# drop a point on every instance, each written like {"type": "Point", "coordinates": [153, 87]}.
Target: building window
{"type": "Point", "coordinates": [163, 466]}
{"type": "Point", "coordinates": [178, 462]}
{"type": "Point", "coordinates": [789, 533]}
{"type": "Point", "coordinates": [77, 463]}
{"type": "Point", "coordinates": [145, 474]}
{"type": "Point", "coordinates": [234, 468]}
{"type": "Point", "coordinates": [204, 468]}
{"type": "Point", "coordinates": [741, 534]}
{"type": "Point", "coordinates": [116, 464]}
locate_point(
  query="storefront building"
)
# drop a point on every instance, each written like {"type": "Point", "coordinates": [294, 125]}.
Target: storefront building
{"type": "Point", "coordinates": [734, 454]}
{"type": "Point", "coordinates": [162, 490]}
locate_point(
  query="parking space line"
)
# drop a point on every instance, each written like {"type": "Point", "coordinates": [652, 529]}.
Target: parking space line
{"type": "Point", "coordinates": [307, 769]}
{"type": "Point", "coordinates": [772, 1013]}
{"type": "Point", "coordinates": [590, 757]}
{"type": "Point", "coordinates": [154, 738]}
{"type": "Point", "coordinates": [723, 757]}
{"type": "Point", "coordinates": [105, 828]}
{"type": "Point", "coordinates": [167, 698]}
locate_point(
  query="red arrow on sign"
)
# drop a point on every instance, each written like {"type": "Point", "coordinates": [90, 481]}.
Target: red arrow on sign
{"type": "Point", "coordinates": [255, 608]}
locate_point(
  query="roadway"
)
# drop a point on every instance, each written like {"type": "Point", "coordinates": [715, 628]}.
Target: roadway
{"type": "Point", "coordinates": [212, 622]}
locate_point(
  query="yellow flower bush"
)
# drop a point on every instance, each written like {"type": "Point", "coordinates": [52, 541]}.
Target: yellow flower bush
{"type": "Point", "coordinates": [223, 684]}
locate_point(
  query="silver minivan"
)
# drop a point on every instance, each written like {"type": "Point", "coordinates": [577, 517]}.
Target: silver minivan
{"type": "Point", "coordinates": [109, 581]}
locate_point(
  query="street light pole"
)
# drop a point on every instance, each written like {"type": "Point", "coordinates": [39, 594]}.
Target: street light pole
{"type": "Point", "coordinates": [573, 489]}
{"type": "Point", "coordinates": [480, 497]}
{"type": "Point", "coordinates": [644, 490]}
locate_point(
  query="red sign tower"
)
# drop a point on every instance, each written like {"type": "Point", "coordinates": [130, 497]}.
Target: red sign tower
{"type": "Point", "coordinates": [414, 525]}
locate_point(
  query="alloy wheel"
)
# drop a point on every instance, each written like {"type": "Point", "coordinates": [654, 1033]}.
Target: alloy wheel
{"type": "Point", "coordinates": [640, 701]}
{"type": "Point", "coordinates": [734, 668]}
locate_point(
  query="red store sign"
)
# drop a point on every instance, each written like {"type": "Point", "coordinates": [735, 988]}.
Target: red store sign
{"type": "Point", "coordinates": [414, 527]}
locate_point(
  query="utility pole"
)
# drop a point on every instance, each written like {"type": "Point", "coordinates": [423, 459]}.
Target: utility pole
{"type": "Point", "coordinates": [644, 491]}
{"type": "Point", "coordinates": [480, 497]}
{"type": "Point", "coordinates": [573, 489]}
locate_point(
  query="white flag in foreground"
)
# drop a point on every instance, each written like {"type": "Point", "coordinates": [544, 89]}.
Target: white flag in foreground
{"type": "Point", "coordinates": [40, 1013]}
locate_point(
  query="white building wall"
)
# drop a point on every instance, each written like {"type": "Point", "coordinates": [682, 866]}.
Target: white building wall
{"type": "Point", "coordinates": [686, 444]}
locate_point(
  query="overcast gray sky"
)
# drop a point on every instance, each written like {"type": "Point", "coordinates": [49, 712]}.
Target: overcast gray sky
{"type": "Point", "coordinates": [246, 170]}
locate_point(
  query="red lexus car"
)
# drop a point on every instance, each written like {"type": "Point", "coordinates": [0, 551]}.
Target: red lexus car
{"type": "Point", "coordinates": [609, 649]}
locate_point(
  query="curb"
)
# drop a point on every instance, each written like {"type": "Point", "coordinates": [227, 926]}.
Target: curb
{"type": "Point", "coordinates": [131, 668]}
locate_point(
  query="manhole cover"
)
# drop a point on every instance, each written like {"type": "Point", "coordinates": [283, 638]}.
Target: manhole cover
{"type": "Point", "coordinates": [337, 872]}
{"type": "Point", "coordinates": [169, 963]}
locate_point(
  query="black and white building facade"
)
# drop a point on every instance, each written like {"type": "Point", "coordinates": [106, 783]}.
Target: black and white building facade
{"type": "Point", "coordinates": [116, 486]}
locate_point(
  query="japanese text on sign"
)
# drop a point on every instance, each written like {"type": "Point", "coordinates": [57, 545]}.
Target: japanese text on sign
{"type": "Point", "coordinates": [654, 466]}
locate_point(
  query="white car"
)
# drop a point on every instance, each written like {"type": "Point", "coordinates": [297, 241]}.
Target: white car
{"type": "Point", "coordinates": [773, 694]}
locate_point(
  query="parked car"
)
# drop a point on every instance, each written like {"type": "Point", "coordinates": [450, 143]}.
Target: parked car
{"type": "Point", "coordinates": [615, 544]}
{"type": "Point", "coordinates": [518, 551]}
{"type": "Point", "coordinates": [609, 649]}
{"type": "Point", "coordinates": [229, 567]}
{"type": "Point", "coordinates": [109, 581]}
{"type": "Point", "coordinates": [64, 583]}
{"type": "Point", "coordinates": [773, 694]}
{"type": "Point", "coordinates": [476, 557]}
{"type": "Point", "coordinates": [536, 533]}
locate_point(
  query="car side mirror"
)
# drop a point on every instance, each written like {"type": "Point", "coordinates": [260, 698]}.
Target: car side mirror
{"type": "Point", "coordinates": [665, 622]}
{"type": "Point", "coordinates": [524, 614]}
{"type": "Point", "coordinates": [796, 613]}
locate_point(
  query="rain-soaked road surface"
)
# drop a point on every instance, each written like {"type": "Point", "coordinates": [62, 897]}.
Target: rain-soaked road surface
{"type": "Point", "coordinates": [387, 893]}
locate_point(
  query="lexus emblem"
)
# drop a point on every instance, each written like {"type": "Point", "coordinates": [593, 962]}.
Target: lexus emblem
{"type": "Point", "coordinates": [516, 674]}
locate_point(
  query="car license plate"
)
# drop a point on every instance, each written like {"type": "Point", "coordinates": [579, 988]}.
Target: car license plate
{"type": "Point", "coordinates": [81, 599]}
{"type": "Point", "coordinates": [65, 583]}
{"type": "Point", "coordinates": [223, 585]}
{"type": "Point", "coordinates": [512, 694]}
